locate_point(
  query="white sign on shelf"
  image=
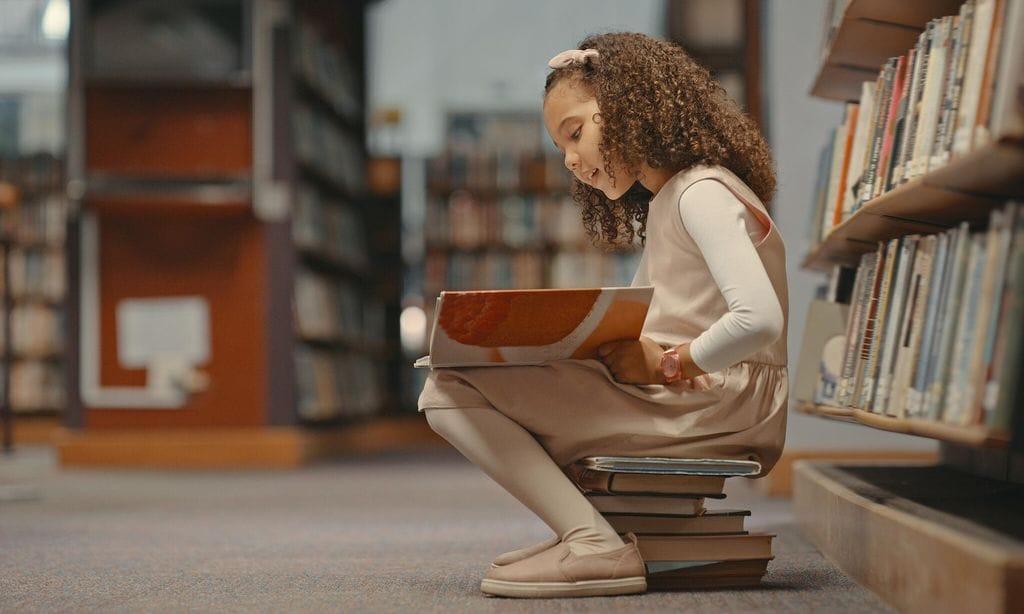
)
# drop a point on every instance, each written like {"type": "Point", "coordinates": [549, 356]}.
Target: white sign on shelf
{"type": "Point", "coordinates": [154, 329]}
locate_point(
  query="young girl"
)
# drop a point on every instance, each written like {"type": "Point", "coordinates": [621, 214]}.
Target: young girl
{"type": "Point", "coordinates": [656, 149]}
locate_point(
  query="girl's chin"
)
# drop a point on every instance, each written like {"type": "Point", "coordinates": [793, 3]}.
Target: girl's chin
{"type": "Point", "coordinates": [613, 193]}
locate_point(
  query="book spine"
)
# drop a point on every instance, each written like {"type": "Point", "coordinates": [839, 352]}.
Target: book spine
{"type": "Point", "coordinates": [939, 368]}
{"type": "Point", "coordinates": [1004, 384]}
{"type": "Point", "coordinates": [984, 13]}
{"type": "Point", "coordinates": [962, 40]}
{"type": "Point", "coordinates": [895, 322]}
{"type": "Point", "coordinates": [871, 317]}
{"type": "Point", "coordinates": [895, 160]}
{"type": "Point", "coordinates": [878, 131]}
{"type": "Point", "coordinates": [855, 168]}
{"type": "Point", "coordinates": [923, 49]}
{"type": "Point", "coordinates": [910, 345]}
{"type": "Point", "coordinates": [952, 384]}
{"type": "Point", "coordinates": [931, 97]}
{"type": "Point", "coordinates": [895, 98]}
{"type": "Point", "coordinates": [988, 302]}
{"type": "Point", "coordinates": [878, 327]}
{"type": "Point", "coordinates": [854, 327]}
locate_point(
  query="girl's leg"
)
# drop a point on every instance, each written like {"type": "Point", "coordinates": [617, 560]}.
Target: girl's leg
{"type": "Point", "coordinates": [511, 456]}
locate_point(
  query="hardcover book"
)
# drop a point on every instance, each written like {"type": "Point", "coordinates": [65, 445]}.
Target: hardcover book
{"type": "Point", "coordinates": [528, 327]}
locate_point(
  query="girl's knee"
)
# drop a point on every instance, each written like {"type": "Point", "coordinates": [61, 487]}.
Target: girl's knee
{"type": "Point", "coordinates": [443, 421]}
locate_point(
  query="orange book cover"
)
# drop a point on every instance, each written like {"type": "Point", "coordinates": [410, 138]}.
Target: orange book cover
{"type": "Point", "coordinates": [528, 327]}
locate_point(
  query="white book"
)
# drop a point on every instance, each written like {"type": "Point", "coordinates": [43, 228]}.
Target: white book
{"type": "Point", "coordinates": [835, 170]}
{"type": "Point", "coordinates": [909, 350]}
{"type": "Point", "coordinates": [1006, 119]}
{"type": "Point", "coordinates": [953, 406]}
{"type": "Point", "coordinates": [931, 97]}
{"type": "Point", "coordinates": [939, 367]}
{"type": "Point", "coordinates": [861, 138]}
{"type": "Point", "coordinates": [893, 322]}
{"type": "Point", "coordinates": [984, 13]}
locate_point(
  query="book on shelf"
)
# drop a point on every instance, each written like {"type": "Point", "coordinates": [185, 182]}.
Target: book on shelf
{"type": "Point", "coordinates": [899, 288]}
{"type": "Point", "coordinates": [1003, 382]}
{"type": "Point", "coordinates": [529, 327]}
{"type": "Point", "coordinates": [948, 329]}
{"type": "Point", "coordinates": [954, 92]}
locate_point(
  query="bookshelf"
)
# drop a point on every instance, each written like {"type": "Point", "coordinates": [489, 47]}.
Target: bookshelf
{"type": "Point", "coordinates": [500, 214]}
{"type": "Point", "coordinates": [924, 243]}
{"type": "Point", "coordinates": [232, 303]}
{"type": "Point", "coordinates": [33, 224]}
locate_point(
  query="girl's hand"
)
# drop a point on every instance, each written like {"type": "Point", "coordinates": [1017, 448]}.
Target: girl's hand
{"type": "Point", "coordinates": [633, 361]}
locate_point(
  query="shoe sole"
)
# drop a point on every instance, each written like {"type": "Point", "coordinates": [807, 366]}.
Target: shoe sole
{"type": "Point", "coordinates": [584, 588]}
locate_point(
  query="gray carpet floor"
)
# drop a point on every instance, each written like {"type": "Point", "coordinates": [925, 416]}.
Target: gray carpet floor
{"type": "Point", "coordinates": [409, 532]}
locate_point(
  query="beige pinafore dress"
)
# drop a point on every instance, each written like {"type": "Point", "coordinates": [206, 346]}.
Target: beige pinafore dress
{"type": "Point", "coordinates": [576, 409]}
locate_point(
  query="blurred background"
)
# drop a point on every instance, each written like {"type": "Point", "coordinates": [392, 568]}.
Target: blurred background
{"type": "Point", "coordinates": [231, 218]}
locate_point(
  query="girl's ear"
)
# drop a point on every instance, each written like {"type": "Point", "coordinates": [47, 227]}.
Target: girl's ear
{"type": "Point", "coordinates": [596, 118]}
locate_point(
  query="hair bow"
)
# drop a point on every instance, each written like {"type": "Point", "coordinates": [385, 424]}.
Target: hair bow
{"type": "Point", "coordinates": [573, 57]}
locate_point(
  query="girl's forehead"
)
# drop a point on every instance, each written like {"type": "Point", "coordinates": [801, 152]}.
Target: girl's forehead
{"type": "Point", "coordinates": [565, 99]}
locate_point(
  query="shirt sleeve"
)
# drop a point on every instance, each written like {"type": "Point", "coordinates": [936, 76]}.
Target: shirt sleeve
{"type": "Point", "coordinates": [724, 230]}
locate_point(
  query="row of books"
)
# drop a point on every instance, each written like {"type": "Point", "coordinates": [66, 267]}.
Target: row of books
{"type": "Point", "coordinates": [35, 175]}
{"type": "Point", "coordinates": [500, 268]}
{"type": "Point", "coordinates": [38, 220]}
{"type": "Point", "coordinates": [496, 152]}
{"type": "Point", "coordinates": [36, 385]}
{"type": "Point", "coordinates": [930, 104]}
{"type": "Point", "coordinates": [336, 383]}
{"type": "Point", "coordinates": [37, 274]}
{"type": "Point", "coordinates": [38, 284]}
{"type": "Point", "coordinates": [320, 145]}
{"type": "Point", "coordinates": [663, 502]}
{"type": "Point", "coordinates": [466, 221]}
{"type": "Point", "coordinates": [37, 330]}
{"type": "Point", "coordinates": [329, 227]}
{"type": "Point", "coordinates": [326, 68]}
{"type": "Point", "coordinates": [330, 309]}
{"type": "Point", "coordinates": [486, 270]}
{"type": "Point", "coordinates": [501, 171]}
{"type": "Point", "coordinates": [934, 329]}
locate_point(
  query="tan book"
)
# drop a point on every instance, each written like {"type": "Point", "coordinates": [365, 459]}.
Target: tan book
{"type": "Point", "coordinates": [717, 521]}
{"type": "Point", "coordinates": [647, 504]}
{"type": "Point", "coordinates": [616, 483]}
{"type": "Point", "coordinates": [705, 547]}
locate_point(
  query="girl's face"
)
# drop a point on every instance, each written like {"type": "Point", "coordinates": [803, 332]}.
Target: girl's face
{"type": "Point", "coordinates": [572, 119]}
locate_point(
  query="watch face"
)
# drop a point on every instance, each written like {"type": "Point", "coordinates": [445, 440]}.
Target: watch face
{"type": "Point", "coordinates": [670, 364]}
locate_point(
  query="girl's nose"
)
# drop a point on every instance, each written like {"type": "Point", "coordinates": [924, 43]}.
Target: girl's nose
{"type": "Point", "coordinates": [571, 161]}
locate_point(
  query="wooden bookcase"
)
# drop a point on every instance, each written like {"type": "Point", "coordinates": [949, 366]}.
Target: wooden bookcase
{"type": "Point", "coordinates": [943, 538]}
{"type": "Point", "coordinates": [231, 304]}
{"type": "Point", "coordinates": [500, 214]}
{"type": "Point", "coordinates": [32, 222]}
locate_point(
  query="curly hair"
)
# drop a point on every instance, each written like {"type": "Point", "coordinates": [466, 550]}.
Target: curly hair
{"type": "Point", "coordinates": [659, 106]}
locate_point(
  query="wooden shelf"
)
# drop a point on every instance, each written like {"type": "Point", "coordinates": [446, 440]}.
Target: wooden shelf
{"type": "Point", "coordinates": [966, 189]}
{"type": "Point", "coordinates": [925, 539]}
{"type": "Point", "coordinates": [870, 32]}
{"type": "Point", "coordinates": [965, 435]}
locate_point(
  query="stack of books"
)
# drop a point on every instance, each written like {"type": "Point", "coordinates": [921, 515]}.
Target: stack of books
{"type": "Point", "coordinates": [684, 544]}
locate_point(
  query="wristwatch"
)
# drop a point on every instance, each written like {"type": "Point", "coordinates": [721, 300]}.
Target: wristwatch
{"type": "Point", "coordinates": [671, 366]}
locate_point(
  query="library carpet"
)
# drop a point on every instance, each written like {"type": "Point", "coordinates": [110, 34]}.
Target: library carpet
{"type": "Point", "coordinates": [407, 532]}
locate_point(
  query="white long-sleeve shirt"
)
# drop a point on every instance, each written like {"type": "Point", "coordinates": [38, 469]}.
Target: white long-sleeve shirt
{"type": "Point", "coordinates": [726, 232]}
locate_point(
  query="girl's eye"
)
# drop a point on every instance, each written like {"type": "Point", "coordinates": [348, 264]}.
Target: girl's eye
{"type": "Point", "coordinates": [575, 135]}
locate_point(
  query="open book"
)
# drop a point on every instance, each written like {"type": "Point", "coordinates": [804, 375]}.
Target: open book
{"type": "Point", "coordinates": [529, 327]}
